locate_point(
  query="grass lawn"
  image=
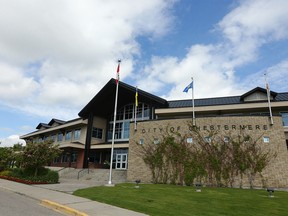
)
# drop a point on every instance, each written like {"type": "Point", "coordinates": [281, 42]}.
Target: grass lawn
{"type": "Point", "coordinates": [177, 200]}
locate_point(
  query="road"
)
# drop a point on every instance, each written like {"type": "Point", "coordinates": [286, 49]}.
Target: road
{"type": "Point", "coordinates": [13, 204]}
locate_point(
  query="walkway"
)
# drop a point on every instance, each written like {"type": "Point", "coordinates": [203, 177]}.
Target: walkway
{"type": "Point", "coordinates": [58, 196]}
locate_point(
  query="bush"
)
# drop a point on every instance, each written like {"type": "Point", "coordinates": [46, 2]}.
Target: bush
{"type": "Point", "coordinates": [5, 173]}
{"type": "Point", "coordinates": [50, 177]}
{"type": "Point", "coordinates": [47, 176]}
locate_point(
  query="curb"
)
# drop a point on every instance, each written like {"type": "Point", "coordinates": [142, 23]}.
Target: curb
{"type": "Point", "coordinates": [62, 208]}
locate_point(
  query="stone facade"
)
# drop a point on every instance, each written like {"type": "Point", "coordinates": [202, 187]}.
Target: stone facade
{"type": "Point", "coordinates": [276, 173]}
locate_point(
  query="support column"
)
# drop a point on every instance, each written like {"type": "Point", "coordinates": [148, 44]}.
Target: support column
{"type": "Point", "coordinates": [88, 141]}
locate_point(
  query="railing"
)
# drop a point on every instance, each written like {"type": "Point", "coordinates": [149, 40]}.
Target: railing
{"type": "Point", "coordinates": [61, 169]}
{"type": "Point", "coordinates": [82, 172]}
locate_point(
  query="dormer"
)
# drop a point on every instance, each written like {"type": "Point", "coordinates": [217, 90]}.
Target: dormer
{"type": "Point", "coordinates": [55, 122]}
{"type": "Point", "coordinates": [42, 126]}
{"type": "Point", "coordinates": [257, 94]}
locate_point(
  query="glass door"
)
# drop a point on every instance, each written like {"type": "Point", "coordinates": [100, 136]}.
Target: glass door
{"type": "Point", "coordinates": [121, 161]}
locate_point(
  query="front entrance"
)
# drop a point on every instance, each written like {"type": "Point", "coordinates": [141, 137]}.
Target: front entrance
{"type": "Point", "coordinates": [121, 161]}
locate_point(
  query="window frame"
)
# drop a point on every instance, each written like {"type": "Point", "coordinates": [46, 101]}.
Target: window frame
{"type": "Point", "coordinates": [96, 130]}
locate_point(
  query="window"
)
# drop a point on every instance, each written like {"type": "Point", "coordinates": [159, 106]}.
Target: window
{"type": "Point", "coordinates": [207, 139]}
{"type": "Point", "coordinates": [226, 139]}
{"type": "Point", "coordinates": [124, 116]}
{"type": "Point", "coordinates": [68, 135]}
{"type": "Point", "coordinates": [189, 140]}
{"type": "Point", "coordinates": [266, 139]}
{"type": "Point", "coordinates": [156, 141]}
{"type": "Point", "coordinates": [64, 158]}
{"type": "Point", "coordinates": [77, 134]}
{"type": "Point", "coordinates": [247, 138]}
{"type": "Point", "coordinates": [284, 118]}
{"type": "Point", "coordinates": [59, 137]}
{"type": "Point", "coordinates": [141, 141]}
{"type": "Point", "coordinates": [97, 133]}
{"type": "Point", "coordinates": [53, 137]}
{"type": "Point", "coordinates": [74, 157]}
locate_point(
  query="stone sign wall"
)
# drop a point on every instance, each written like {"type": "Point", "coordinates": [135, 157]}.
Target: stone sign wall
{"type": "Point", "coordinates": [276, 174]}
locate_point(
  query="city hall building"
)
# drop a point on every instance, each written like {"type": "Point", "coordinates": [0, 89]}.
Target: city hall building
{"type": "Point", "coordinates": [86, 141]}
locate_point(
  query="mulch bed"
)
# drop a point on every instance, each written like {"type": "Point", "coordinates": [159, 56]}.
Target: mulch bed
{"type": "Point", "coordinates": [23, 181]}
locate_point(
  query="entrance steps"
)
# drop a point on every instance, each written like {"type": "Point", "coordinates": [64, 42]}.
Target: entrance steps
{"type": "Point", "coordinates": [92, 175]}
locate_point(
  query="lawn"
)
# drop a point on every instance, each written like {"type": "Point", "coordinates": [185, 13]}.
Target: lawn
{"type": "Point", "coordinates": [174, 200]}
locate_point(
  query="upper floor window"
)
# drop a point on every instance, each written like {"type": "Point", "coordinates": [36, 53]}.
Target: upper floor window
{"type": "Point", "coordinates": [53, 137]}
{"type": "Point", "coordinates": [207, 139]}
{"type": "Point", "coordinates": [284, 118]}
{"type": "Point", "coordinates": [189, 140]}
{"type": "Point", "coordinates": [77, 134]}
{"type": "Point", "coordinates": [97, 133]}
{"type": "Point", "coordinates": [226, 139]}
{"type": "Point", "coordinates": [266, 139]}
{"type": "Point", "coordinates": [124, 116]}
{"type": "Point", "coordinates": [59, 137]}
{"type": "Point", "coordinates": [128, 112]}
{"type": "Point", "coordinates": [68, 135]}
{"type": "Point", "coordinates": [156, 141]}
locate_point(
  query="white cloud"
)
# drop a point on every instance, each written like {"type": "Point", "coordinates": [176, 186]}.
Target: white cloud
{"type": "Point", "coordinates": [14, 84]}
{"type": "Point", "coordinates": [276, 76]}
{"type": "Point", "coordinates": [58, 54]}
{"type": "Point", "coordinates": [11, 141]}
{"type": "Point", "coordinates": [244, 30]}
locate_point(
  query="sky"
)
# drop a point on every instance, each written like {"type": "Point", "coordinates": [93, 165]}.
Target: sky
{"type": "Point", "coordinates": [56, 55]}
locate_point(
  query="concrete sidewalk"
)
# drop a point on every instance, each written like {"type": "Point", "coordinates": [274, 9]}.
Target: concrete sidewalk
{"type": "Point", "coordinates": [65, 202]}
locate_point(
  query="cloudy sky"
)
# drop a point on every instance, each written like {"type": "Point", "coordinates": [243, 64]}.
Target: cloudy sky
{"type": "Point", "coordinates": [56, 55]}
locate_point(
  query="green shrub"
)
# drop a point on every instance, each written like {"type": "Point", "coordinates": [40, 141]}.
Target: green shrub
{"type": "Point", "coordinates": [47, 176]}
{"type": "Point", "coordinates": [5, 173]}
{"type": "Point", "coordinates": [16, 172]}
{"type": "Point", "coordinates": [51, 177]}
{"type": "Point", "coordinates": [29, 171]}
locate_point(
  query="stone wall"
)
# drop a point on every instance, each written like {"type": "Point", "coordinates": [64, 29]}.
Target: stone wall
{"type": "Point", "coordinates": [276, 174]}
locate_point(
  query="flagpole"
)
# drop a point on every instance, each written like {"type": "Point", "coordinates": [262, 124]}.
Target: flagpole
{"type": "Point", "coordinates": [268, 97]}
{"type": "Point", "coordinates": [136, 105]}
{"type": "Point", "coordinates": [114, 125]}
{"type": "Point", "coordinates": [193, 107]}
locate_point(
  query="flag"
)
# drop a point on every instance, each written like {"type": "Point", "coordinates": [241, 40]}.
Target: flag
{"type": "Point", "coordinates": [136, 97]}
{"type": "Point", "coordinates": [117, 72]}
{"type": "Point", "coordinates": [190, 86]}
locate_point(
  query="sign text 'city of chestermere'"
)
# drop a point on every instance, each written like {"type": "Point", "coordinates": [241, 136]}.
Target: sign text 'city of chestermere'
{"type": "Point", "coordinates": [205, 128]}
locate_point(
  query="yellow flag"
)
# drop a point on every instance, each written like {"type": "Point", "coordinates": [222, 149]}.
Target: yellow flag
{"type": "Point", "coordinates": [136, 98]}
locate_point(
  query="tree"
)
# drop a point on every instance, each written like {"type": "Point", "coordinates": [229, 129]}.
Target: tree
{"type": "Point", "coordinates": [37, 155]}
{"type": "Point", "coordinates": [6, 157]}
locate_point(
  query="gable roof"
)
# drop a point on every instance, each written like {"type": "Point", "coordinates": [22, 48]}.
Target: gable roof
{"type": "Point", "coordinates": [258, 89]}
{"type": "Point", "coordinates": [102, 104]}
{"type": "Point", "coordinates": [40, 125]}
{"type": "Point", "coordinates": [60, 122]}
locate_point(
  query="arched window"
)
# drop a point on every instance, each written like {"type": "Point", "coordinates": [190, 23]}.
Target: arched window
{"type": "Point", "coordinates": [124, 116]}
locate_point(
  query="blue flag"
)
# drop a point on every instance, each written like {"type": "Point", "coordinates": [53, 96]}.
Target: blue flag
{"type": "Point", "coordinates": [190, 86]}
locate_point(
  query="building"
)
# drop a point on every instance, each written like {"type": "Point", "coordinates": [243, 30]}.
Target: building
{"type": "Point", "coordinates": [86, 141]}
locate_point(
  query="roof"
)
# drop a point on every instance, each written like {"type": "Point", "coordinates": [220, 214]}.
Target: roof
{"type": "Point", "coordinates": [102, 104]}
{"type": "Point", "coordinates": [258, 89]}
{"type": "Point", "coordinates": [40, 125]}
{"type": "Point", "coordinates": [55, 128]}
{"type": "Point", "coordinates": [225, 100]}
{"type": "Point", "coordinates": [57, 121]}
